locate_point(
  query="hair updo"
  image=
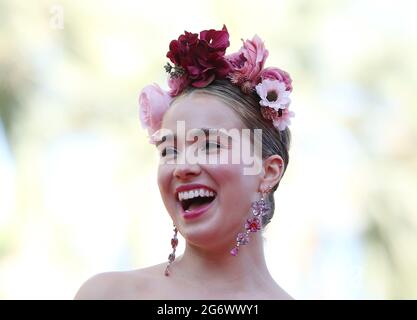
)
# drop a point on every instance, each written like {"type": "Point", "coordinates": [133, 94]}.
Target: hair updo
{"type": "Point", "coordinates": [247, 107]}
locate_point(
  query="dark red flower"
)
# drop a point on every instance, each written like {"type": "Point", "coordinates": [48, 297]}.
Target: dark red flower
{"type": "Point", "coordinates": [253, 224]}
{"type": "Point", "coordinates": [217, 40]}
{"type": "Point", "coordinates": [202, 58]}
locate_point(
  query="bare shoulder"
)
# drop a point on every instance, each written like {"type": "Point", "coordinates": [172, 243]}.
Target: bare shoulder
{"type": "Point", "coordinates": [284, 296]}
{"type": "Point", "coordinates": [101, 286]}
{"type": "Point", "coordinates": [135, 284]}
{"type": "Point", "coordinates": [280, 294]}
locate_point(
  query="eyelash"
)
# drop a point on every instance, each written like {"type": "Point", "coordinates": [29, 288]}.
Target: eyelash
{"type": "Point", "coordinates": [218, 146]}
{"type": "Point", "coordinates": [206, 145]}
{"type": "Point", "coordinates": [164, 152]}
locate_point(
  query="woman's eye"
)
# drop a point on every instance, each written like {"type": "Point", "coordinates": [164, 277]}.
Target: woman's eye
{"type": "Point", "coordinates": [211, 145]}
{"type": "Point", "coordinates": [168, 151]}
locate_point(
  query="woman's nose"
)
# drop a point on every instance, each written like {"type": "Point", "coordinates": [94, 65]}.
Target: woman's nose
{"type": "Point", "coordinates": [185, 171]}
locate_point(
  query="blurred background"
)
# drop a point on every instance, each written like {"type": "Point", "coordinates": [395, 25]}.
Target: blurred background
{"type": "Point", "coordinates": [78, 191]}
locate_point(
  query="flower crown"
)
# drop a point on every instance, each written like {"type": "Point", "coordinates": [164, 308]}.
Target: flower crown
{"type": "Point", "coordinates": [198, 60]}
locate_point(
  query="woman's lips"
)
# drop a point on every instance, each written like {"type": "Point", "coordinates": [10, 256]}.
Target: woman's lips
{"type": "Point", "coordinates": [194, 213]}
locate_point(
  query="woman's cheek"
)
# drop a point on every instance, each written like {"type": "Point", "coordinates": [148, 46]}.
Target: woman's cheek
{"type": "Point", "coordinates": [224, 174]}
{"type": "Point", "coordinates": [164, 176]}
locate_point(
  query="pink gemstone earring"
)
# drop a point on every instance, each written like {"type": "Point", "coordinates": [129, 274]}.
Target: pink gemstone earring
{"type": "Point", "coordinates": [171, 257]}
{"type": "Point", "coordinates": [259, 209]}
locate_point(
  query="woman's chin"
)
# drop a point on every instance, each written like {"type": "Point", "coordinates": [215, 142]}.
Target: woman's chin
{"type": "Point", "coordinates": [201, 227]}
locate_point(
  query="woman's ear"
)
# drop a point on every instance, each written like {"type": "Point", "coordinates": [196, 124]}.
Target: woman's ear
{"type": "Point", "coordinates": [273, 168]}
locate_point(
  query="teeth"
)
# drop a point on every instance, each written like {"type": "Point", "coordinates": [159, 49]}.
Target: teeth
{"type": "Point", "coordinates": [195, 193]}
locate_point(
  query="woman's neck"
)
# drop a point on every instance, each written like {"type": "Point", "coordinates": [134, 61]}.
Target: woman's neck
{"type": "Point", "coordinates": [217, 268]}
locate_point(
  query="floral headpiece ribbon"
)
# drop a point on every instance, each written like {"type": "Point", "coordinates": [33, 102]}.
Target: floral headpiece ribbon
{"type": "Point", "coordinates": [198, 60]}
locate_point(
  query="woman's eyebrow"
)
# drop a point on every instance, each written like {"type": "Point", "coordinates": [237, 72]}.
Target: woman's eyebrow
{"type": "Point", "coordinates": [210, 133]}
{"type": "Point", "coordinates": [195, 133]}
{"type": "Point", "coordinates": [207, 132]}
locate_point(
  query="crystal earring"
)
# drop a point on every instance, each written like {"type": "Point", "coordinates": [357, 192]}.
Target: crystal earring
{"type": "Point", "coordinates": [171, 257]}
{"type": "Point", "coordinates": [259, 209]}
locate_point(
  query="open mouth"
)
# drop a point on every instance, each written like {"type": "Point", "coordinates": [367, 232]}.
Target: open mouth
{"type": "Point", "coordinates": [193, 200]}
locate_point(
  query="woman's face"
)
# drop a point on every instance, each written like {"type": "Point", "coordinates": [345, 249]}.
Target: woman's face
{"type": "Point", "coordinates": [221, 192]}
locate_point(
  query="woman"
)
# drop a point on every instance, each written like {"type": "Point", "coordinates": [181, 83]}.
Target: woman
{"type": "Point", "coordinates": [218, 203]}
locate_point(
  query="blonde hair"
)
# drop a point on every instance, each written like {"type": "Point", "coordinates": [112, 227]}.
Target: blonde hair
{"type": "Point", "coordinates": [247, 107]}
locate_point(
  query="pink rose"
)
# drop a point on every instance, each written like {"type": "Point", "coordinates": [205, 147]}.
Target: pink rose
{"type": "Point", "coordinates": [177, 85]}
{"type": "Point", "coordinates": [277, 74]}
{"type": "Point", "coordinates": [248, 63]}
{"type": "Point", "coordinates": [153, 103]}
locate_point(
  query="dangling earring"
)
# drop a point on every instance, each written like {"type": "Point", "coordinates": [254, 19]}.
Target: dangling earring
{"type": "Point", "coordinates": [259, 209]}
{"type": "Point", "coordinates": [171, 257]}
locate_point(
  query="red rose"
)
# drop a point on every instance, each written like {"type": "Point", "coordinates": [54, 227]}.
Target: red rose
{"type": "Point", "coordinates": [202, 58]}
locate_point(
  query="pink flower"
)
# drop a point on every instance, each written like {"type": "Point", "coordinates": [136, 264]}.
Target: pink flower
{"type": "Point", "coordinates": [273, 94]}
{"type": "Point", "coordinates": [277, 74]}
{"type": "Point", "coordinates": [280, 119]}
{"type": "Point", "coordinates": [153, 102]}
{"type": "Point", "coordinates": [248, 63]}
{"type": "Point", "coordinates": [177, 85]}
{"type": "Point", "coordinates": [284, 121]}
{"type": "Point", "coordinates": [253, 224]}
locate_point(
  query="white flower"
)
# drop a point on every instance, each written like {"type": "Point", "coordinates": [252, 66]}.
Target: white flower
{"type": "Point", "coordinates": [273, 94]}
